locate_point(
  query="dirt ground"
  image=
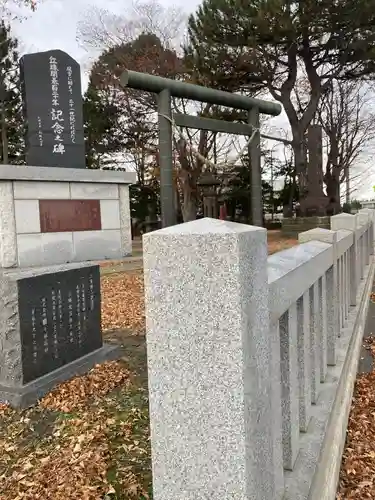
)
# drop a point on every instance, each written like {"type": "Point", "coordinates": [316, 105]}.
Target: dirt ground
{"type": "Point", "coordinates": [357, 475]}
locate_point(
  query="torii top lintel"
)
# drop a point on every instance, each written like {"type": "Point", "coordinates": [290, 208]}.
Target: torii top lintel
{"type": "Point", "coordinates": [156, 84]}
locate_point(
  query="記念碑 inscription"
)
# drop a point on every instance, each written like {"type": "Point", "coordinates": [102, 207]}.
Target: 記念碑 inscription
{"type": "Point", "coordinates": [69, 215]}
{"type": "Point", "coordinates": [51, 83]}
{"type": "Point", "coordinates": [59, 319]}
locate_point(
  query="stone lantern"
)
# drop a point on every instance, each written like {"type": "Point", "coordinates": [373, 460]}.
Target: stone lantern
{"type": "Point", "coordinates": [209, 183]}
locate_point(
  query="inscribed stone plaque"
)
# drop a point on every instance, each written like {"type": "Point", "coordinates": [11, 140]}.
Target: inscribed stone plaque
{"type": "Point", "coordinates": [69, 215]}
{"type": "Point", "coordinates": [60, 319]}
{"type": "Point", "coordinates": [51, 87]}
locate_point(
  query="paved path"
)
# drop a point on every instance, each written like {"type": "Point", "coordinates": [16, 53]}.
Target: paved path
{"type": "Point", "coordinates": [124, 265]}
{"type": "Point", "coordinates": [127, 264]}
{"type": "Point", "coordinates": [366, 361]}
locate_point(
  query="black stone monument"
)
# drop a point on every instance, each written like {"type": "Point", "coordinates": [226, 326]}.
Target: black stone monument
{"type": "Point", "coordinates": [60, 319]}
{"type": "Point", "coordinates": [50, 328]}
{"type": "Point", "coordinates": [52, 97]}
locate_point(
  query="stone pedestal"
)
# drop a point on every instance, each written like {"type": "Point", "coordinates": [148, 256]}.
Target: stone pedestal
{"type": "Point", "coordinates": [50, 328]}
{"type": "Point", "coordinates": [59, 215]}
{"type": "Point", "coordinates": [53, 222]}
{"type": "Point", "coordinates": [292, 226]}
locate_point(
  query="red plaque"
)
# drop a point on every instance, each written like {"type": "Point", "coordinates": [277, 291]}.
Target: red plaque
{"type": "Point", "coordinates": [57, 216]}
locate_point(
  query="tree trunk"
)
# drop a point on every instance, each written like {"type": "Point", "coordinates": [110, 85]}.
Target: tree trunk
{"type": "Point", "coordinates": [332, 175]}
{"type": "Point", "coordinates": [188, 179]}
{"type": "Point", "coordinates": [189, 206]}
{"type": "Point", "coordinates": [189, 199]}
{"type": "Point", "coordinates": [292, 194]}
{"type": "Point", "coordinates": [300, 161]}
{"type": "Point", "coordinates": [4, 137]}
{"type": "Point", "coordinates": [313, 201]}
{"type": "Point", "coordinates": [333, 193]}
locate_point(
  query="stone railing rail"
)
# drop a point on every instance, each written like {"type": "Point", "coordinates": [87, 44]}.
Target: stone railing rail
{"type": "Point", "coordinates": [252, 359]}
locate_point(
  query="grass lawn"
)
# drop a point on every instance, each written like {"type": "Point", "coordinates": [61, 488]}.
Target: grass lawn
{"type": "Point", "coordinates": [89, 438]}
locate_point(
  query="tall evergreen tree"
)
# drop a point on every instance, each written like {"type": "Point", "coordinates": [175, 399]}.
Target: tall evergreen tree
{"type": "Point", "coordinates": [100, 127]}
{"type": "Point", "coordinates": [120, 119]}
{"type": "Point", "coordinates": [11, 119]}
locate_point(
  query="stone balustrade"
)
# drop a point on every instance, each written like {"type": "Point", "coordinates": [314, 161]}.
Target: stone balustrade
{"type": "Point", "coordinates": [252, 358]}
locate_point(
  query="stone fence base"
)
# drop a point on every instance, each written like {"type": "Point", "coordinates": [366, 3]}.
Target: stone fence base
{"type": "Point", "coordinates": [292, 226]}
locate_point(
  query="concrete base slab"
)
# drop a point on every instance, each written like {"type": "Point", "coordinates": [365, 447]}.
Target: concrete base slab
{"type": "Point", "coordinates": [27, 395]}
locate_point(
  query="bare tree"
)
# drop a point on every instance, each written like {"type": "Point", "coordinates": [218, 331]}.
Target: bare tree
{"type": "Point", "coordinates": [145, 42]}
{"type": "Point", "coordinates": [17, 10]}
{"type": "Point", "coordinates": [102, 29]}
{"type": "Point", "coordinates": [349, 124]}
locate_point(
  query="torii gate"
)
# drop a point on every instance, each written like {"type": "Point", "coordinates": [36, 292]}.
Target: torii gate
{"type": "Point", "coordinates": [165, 88]}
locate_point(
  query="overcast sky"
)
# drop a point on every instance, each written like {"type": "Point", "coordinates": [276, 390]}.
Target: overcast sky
{"type": "Point", "coordinates": [54, 26]}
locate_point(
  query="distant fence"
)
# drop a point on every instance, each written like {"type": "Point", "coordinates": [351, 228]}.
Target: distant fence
{"type": "Point", "coordinates": [252, 359]}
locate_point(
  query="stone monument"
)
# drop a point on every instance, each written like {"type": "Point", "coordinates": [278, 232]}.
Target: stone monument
{"type": "Point", "coordinates": [57, 219]}
{"type": "Point", "coordinates": [312, 211]}
{"type": "Point", "coordinates": [315, 202]}
{"type": "Point", "coordinates": [50, 328]}
{"type": "Point", "coordinates": [51, 86]}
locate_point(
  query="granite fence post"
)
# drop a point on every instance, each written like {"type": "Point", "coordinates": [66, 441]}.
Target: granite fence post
{"type": "Point", "coordinates": [328, 338]}
{"type": "Point", "coordinates": [371, 213]}
{"type": "Point", "coordinates": [363, 218]}
{"type": "Point", "coordinates": [209, 362]}
{"type": "Point", "coordinates": [346, 284]}
{"type": "Point", "coordinates": [276, 408]}
{"type": "Point", "coordinates": [362, 248]}
{"type": "Point", "coordinates": [290, 395]}
{"type": "Point", "coordinates": [304, 369]}
{"type": "Point", "coordinates": [342, 276]}
{"type": "Point", "coordinates": [372, 227]}
{"type": "Point", "coordinates": [349, 222]}
{"type": "Point", "coordinates": [348, 278]}
{"type": "Point", "coordinates": [315, 342]}
{"type": "Point", "coordinates": [358, 250]}
{"type": "Point", "coordinates": [323, 326]}
{"type": "Point", "coordinates": [372, 231]}
{"type": "Point", "coordinates": [361, 254]}
{"type": "Point", "coordinates": [370, 234]}
{"type": "Point", "coordinates": [344, 290]}
{"type": "Point", "coordinates": [318, 319]}
{"type": "Point", "coordinates": [340, 265]}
